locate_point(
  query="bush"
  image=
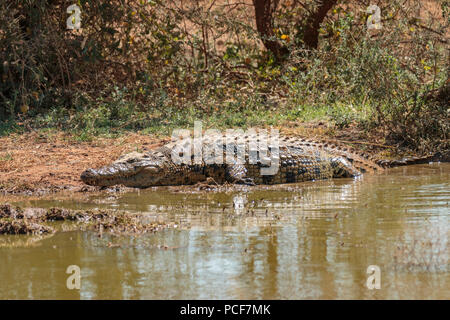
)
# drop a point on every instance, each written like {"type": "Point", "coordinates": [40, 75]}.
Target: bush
{"type": "Point", "coordinates": [158, 64]}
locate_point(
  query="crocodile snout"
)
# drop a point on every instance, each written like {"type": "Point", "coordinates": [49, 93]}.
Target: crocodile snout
{"type": "Point", "coordinates": [118, 173]}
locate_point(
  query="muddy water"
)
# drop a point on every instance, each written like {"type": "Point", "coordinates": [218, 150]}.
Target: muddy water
{"type": "Point", "coordinates": [311, 240]}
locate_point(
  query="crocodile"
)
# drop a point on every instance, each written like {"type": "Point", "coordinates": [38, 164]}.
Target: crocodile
{"type": "Point", "coordinates": [298, 160]}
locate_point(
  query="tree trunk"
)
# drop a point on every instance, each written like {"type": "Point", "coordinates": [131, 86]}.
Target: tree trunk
{"type": "Point", "coordinates": [264, 10]}
{"type": "Point", "coordinates": [312, 25]}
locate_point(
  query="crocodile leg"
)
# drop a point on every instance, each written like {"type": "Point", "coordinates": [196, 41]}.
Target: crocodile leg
{"type": "Point", "coordinates": [237, 173]}
{"type": "Point", "coordinates": [342, 168]}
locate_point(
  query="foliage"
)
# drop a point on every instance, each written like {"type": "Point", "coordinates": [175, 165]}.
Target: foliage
{"type": "Point", "coordinates": [154, 65]}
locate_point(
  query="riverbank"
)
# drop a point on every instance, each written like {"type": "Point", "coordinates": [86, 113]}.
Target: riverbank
{"type": "Point", "coordinates": [44, 162]}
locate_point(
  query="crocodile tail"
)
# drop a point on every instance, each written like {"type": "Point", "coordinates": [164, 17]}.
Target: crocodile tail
{"type": "Point", "coordinates": [408, 160]}
{"type": "Point", "coordinates": [360, 160]}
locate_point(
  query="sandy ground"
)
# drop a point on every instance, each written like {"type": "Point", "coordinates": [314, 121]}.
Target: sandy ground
{"type": "Point", "coordinates": [34, 161]}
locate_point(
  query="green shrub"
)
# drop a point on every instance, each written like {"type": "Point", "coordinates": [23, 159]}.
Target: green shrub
{"type": "Point", "coordinates": [156, 65]}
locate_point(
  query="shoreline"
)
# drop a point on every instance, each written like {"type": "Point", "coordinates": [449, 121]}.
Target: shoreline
{"type": "Point", "coordinates": [39, 164]}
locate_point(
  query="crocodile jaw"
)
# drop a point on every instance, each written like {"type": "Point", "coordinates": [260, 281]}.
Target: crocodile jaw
{"type": "Point", "coordinates": [130, 175]}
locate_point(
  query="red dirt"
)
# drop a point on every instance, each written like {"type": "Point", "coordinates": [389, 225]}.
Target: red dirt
{"type": "Point", "coordinates": [33, 161]}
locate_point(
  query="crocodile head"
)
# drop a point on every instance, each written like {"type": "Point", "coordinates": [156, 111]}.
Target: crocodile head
{"type": "Point", "coordinates": [133, 170]}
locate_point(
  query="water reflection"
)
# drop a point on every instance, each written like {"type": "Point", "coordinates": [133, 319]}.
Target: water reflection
{"type": "Point", "coordinates": [313, 240]}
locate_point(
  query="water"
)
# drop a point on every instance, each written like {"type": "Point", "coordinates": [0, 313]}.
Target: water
{"type": "Point", "coordinates": [301, 241]}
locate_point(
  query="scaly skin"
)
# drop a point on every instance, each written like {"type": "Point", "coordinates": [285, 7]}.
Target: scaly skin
{"type": "Point", "coordinates": [299, 160]}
